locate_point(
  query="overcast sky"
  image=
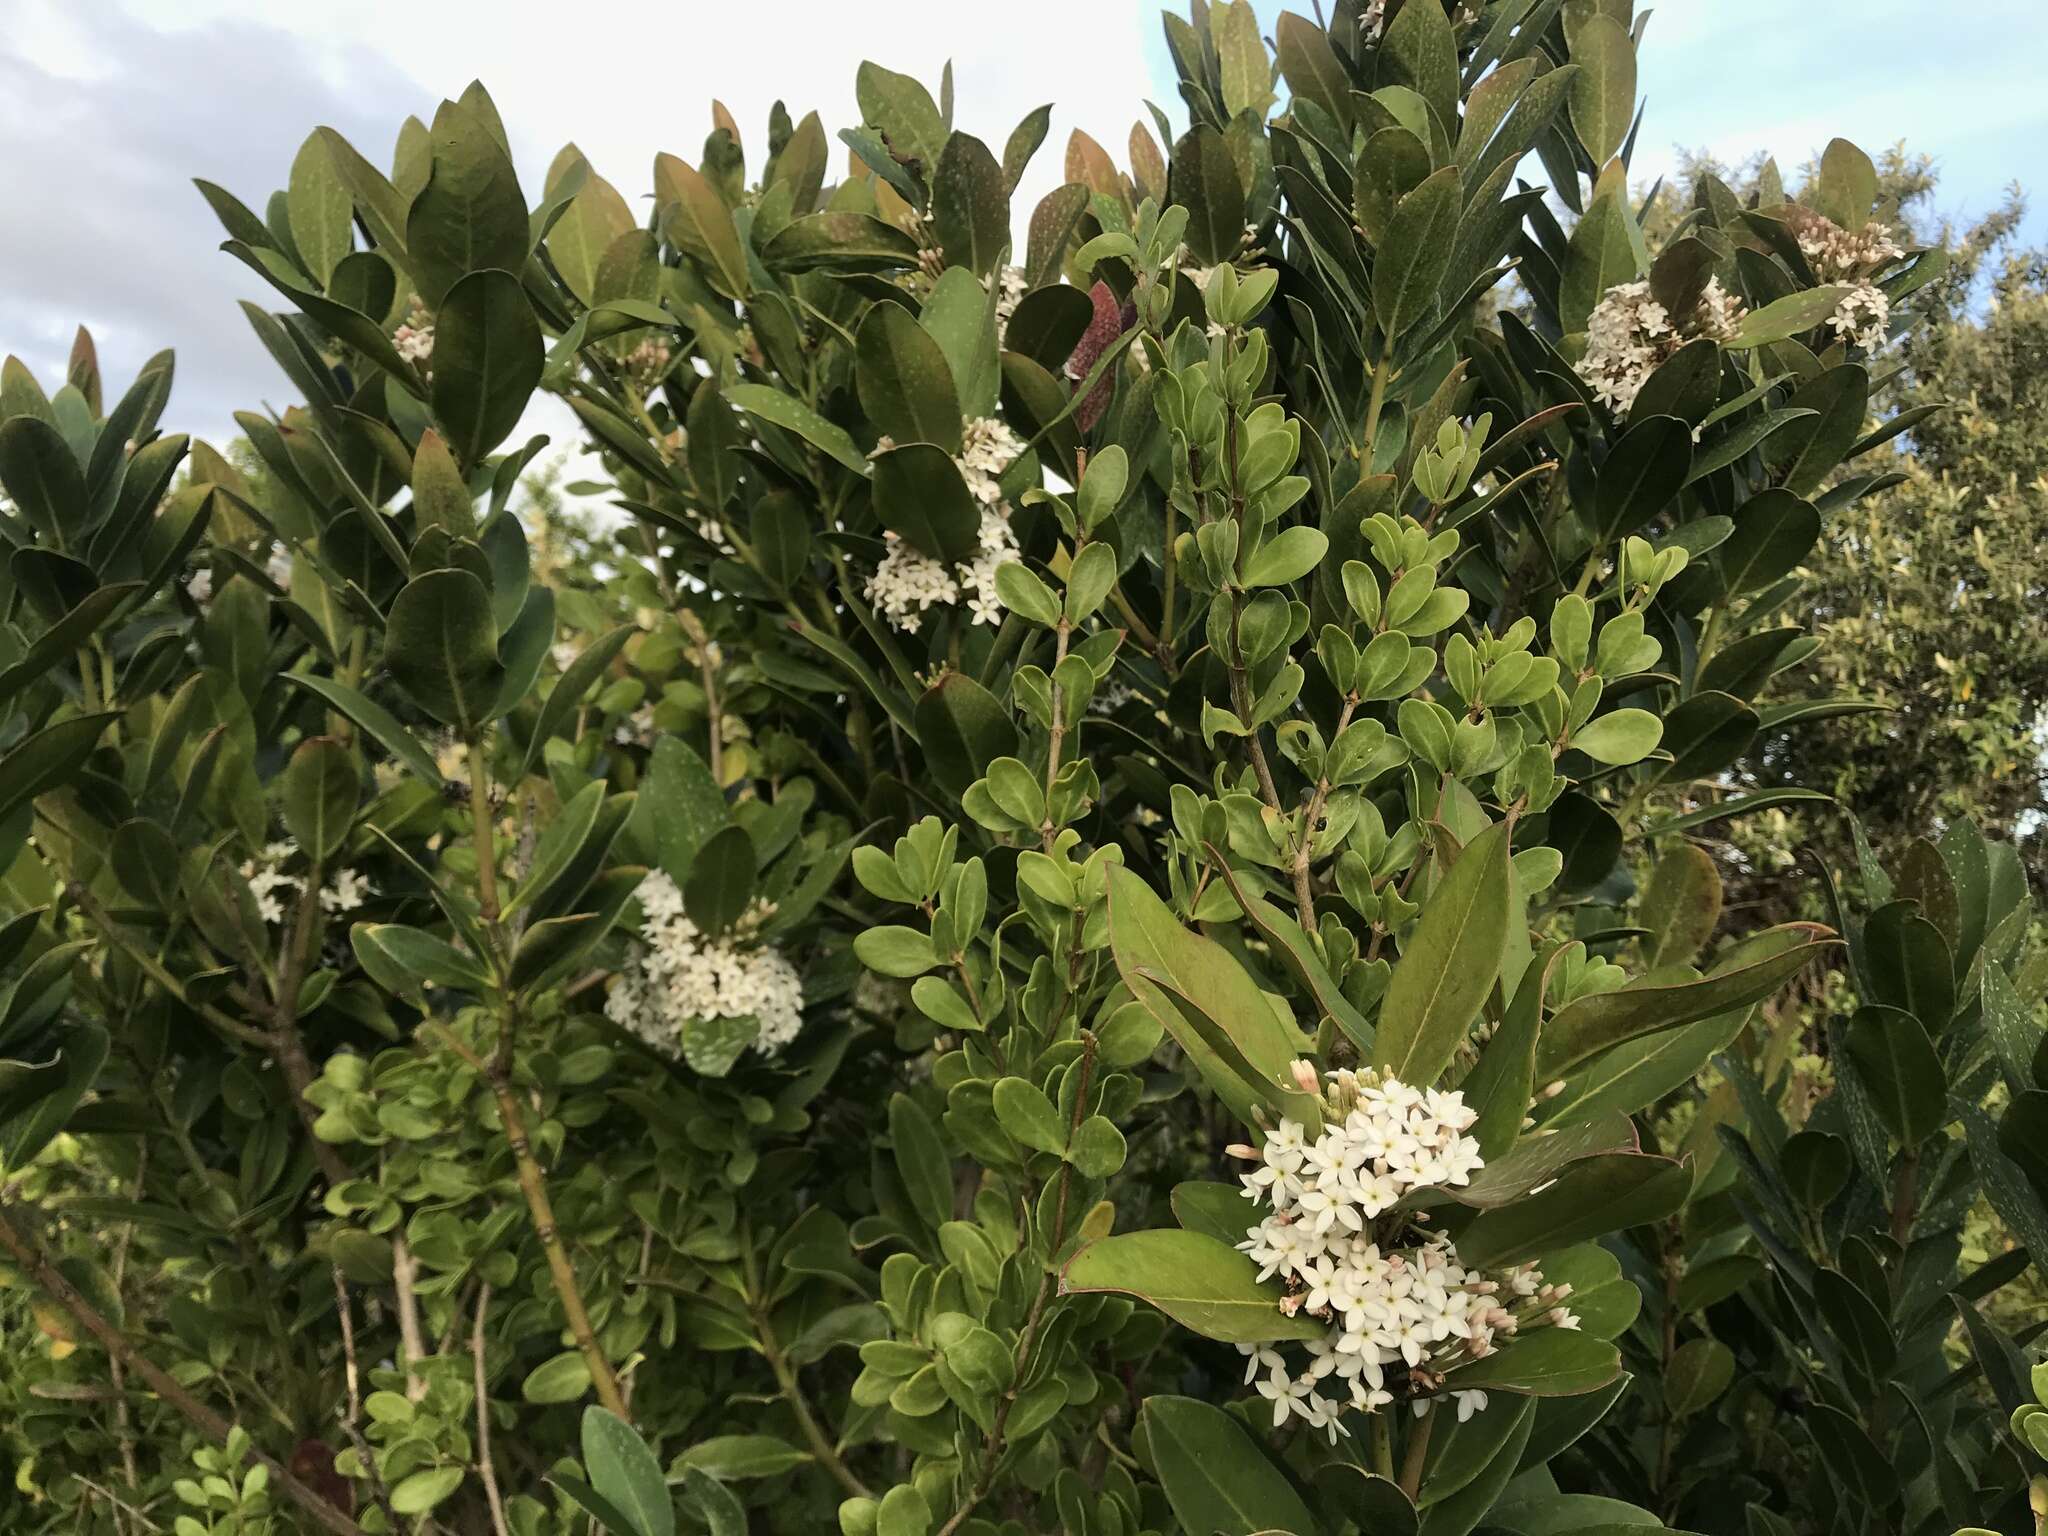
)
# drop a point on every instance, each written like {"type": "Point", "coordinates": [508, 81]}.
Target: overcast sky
{"type": "Point", "coordinates": [108, 108]}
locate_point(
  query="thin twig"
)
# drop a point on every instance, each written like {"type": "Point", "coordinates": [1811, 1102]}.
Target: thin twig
{"type": "Point", "coordinates": [484, 1467]}
{"type": "Point", "coordinates": [124, 1425]}
{"type": "Point", "coordinates": [533, 1184]}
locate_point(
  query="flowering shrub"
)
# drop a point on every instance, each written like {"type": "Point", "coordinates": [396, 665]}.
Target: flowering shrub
{"type": "Point", "coordinates": [741, 1013]}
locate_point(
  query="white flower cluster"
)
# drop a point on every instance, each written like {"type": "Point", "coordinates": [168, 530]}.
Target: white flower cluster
{"type": "Point", "coordinates": [1863, 318]}
{"type": "Point", "coordinates": [266, 876]}
{"type": "Point", "coordinates": [648, 361]}
{"type": "Point", "coordinates": [415, 339]}
{"type": "Point", "coordinates": [680, 974]}
{"type": "Point", "coordinates": [1396, 1298]}
{"type": "Point", "coordinates": [1837, 255]}
{"type": "Point", "coordinates": [1629, 333]}
{"type": "Point", "coordinates": [1009, 293]}
{"type": "Point", "coordinates": [908, 581]}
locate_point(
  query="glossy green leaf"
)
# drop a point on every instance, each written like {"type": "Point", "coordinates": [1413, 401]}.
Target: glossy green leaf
{"type": "Point", "coordinates": [1448, 964]}
{"type": "Point", "coordinates": [1199, 1282]}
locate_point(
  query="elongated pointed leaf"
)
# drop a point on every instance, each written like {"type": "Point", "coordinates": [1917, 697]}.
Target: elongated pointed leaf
{"type": "Point", "coordinates": [1665, 999]}
{"type": "Point", "coordinates": [1200, 1283]}
{"type": "Point", "coordinates": [1449, 964]}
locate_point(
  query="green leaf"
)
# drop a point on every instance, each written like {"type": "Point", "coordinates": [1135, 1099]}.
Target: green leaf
{"type": "Point", "coordinates": [1300, 956]}
{"type": "Point", "coordinates": [786, 411]}
{"type": "Point", "coordinates": [570, 688]}
{"type": "Point", "coordinates": [721, 883]}
{"type": "Point", "coordinates": [1098, 1149]}
{"type": "Point", "coordinates": [1736, 805]}
{"type": "Point", "coordinates": [1603, 93]}
{"type": "Point", "coordinates": [1288, 556]}
{"type": "Point", "coordinates": [441, 647]}
{"type": "Point", "coordinates": [401, 958]}
{"type": "Point", "coordinates": [921, 1159]}
{"type": "Point", "coordinates": [1203, 178]}
{"type": "Point", "coordinates": [893, 950]}
{"type": "Point", "coordinates": [1699, 1372]}
{"type": "Point", "coordinates": [1200, 1283]}
{"type": "Point", "coordinates": [421, 1491]}
{"type": "Point", "coordinates": [903, 109]}
{"type": "Point", "coordinates": [378, 721]}
{"type": "Point", "coordinates": [1215, 1475]}
{"type": "Point", "coordinates": [1448, 965]}
{"type": "Point", "coordinates": [696, 219]}
{"type": "Point", "coordinates": [842, 241]}
{"type": "Point", "coordinates": [921, 496]}
{"type": "Point", "coordinates": [37, 1103]}
{"type": "Point", "coordinates": [1641, 475]}
{"type": "Point", "coordinates": [1591, 1197]}
{"type": "Point", "coordinates": [1901, 1070]}
{"type": "Point", "coordinates": [1545, 1362]}
{"type": "Point", "coordinates": [487, 360]}
{"type": "Point", "coordinates": [625, 1472]}
{"type": "Point", "coordinates": [735, 1458]}
{"type": "Point", "coordinates": [971, 205]}
{"type": "Point", "coordinates": [1619, 737]}
{"type": "Point", "coordinates": [48, 758]}
{"type": "Point", "coordinates": [588, 228]}
{"type": "Point", "coordinates": [558, 1379]}
{"type": "Point", "coordinates": [42, 477]}
{"type": "Point", "coordinates": [1781, 319]}
{"type": "Point", "coordinates": [1774, 531]}
{"type": "Point", "coordinates": [963, 728]}
{"type": "Point", "coordinates": [1147, 941]}
{"type": "Point", "coordinates": [322, 212]}
{"type": "Point", "coordinates": [1600, 254]}
{"type": "Point", "coordinates": [440, 497]}
{"type": "Point", "coordinates": [1247, 73]}
{"type": "Point", "coordinates": [1416, 252]}
{"type": "Point", "coordinates": [1664, 999]}
{"type": "Point", "coordinates": [470, 217]}
{"type": "Point", "coordinates": [1023, 1110]}
{"type": "Point", "coordinates": [680, 807]}
{"type": "Point", "coordinates": [321, 789]}
{"type": "Point", "coordinates": [61, 641]}
{"type": "Point", "coordinates": [905, 385]}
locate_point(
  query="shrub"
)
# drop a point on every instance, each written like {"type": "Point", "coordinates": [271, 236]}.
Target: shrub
{"type": "Point", "coordinates": [784, 999]}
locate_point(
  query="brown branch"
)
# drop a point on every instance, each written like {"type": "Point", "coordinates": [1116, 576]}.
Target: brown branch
{"type": "Point", "coordinates": [533, 1184]}
{"type": "Point", "coordinates": [34, 1263]}
{"type": "Point", "coordinates": [484, 1467]}
{"type": "Point", "coordinates": [785, 1377]}
{"type": "Point", "coordinates": [412, 1346]}
{"type": "Point", "coordinates": [1416, 1454]}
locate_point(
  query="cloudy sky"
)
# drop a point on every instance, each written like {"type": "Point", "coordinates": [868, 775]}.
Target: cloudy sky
{"type": "Point", "coordinates": [109, 107]}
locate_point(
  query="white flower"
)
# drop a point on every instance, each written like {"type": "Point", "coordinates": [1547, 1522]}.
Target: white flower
{"type": "Point", "coordinates": [348, 892]}
{"type": "Point", "coordinates": [1469, 1403]}
{"type": "Point", "coordinates": [266, 877]}
{"type": "Point", "coordinates": [1863, 317]}
{"type": "Point", "coordinates": [1393, 1293]}
{"type": "Point", "coordinates": [908, 582]}
{"type": "Point", "coordinates": [1629, 334]}
{"type": "Point", "coordinates": [414, 343]}
{"type": "Point", "coordinates": [415, 339]}
{"type": "Point", "coordinates": [679, 974]}
{"type": "Point", "coordinates": [1009, 291]}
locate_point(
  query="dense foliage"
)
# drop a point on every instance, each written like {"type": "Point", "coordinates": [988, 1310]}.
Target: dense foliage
{"type": "Point", "coordinates": [752, 1014]}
